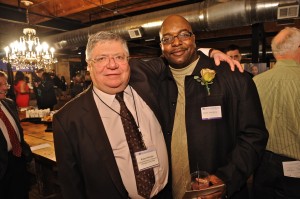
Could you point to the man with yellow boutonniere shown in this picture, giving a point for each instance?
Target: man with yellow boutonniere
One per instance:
(213, 116)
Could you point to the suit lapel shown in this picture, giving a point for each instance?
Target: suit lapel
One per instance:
(100, 140)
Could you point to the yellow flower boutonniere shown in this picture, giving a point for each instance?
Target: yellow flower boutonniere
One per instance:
(207, 76)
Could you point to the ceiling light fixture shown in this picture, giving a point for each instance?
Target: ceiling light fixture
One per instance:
(29, 53)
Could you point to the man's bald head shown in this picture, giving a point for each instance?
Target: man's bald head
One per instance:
(174, 19)
(178, 41)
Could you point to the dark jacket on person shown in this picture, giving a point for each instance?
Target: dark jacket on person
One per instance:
(230, 147)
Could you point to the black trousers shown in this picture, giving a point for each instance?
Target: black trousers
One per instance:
(15, 182)
(269, 181)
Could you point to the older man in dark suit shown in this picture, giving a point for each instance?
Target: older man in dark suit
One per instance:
(13, 175)
(94, 154)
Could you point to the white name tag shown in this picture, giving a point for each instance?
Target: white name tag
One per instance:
(146, 159)
(291, 169)
(211, 112)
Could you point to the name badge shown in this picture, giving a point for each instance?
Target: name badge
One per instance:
(291, 169)
(146, 159)
(211, 112)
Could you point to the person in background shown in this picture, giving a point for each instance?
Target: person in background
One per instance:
(22, 90)
(213, 124)
(48, 96)
(254, 70)
(233, 51)
(64, 86)
(14, 151)
(78, 85)
(27, 80)
(279, 92)
(57, 84)
(87, 79)
(37, 80)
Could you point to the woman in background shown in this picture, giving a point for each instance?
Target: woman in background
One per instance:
(21, 89)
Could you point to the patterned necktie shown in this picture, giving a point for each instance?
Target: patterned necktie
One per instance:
(145, 179)
(16, 146)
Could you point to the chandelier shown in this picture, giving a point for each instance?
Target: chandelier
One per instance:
(28, 53)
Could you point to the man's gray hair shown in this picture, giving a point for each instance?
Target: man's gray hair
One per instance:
(287, 40)
(103, 36)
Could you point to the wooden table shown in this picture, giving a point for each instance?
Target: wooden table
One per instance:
(45, 169)
(35, 136)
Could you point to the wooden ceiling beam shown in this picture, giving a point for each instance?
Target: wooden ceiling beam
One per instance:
(58, 8)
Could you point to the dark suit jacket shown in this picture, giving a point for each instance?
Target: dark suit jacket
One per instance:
(86, 163)
(11, 107)
(230, 147)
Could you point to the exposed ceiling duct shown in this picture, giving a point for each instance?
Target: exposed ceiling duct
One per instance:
(205, 16)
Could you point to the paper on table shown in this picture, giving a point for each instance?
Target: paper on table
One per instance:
(40, 146)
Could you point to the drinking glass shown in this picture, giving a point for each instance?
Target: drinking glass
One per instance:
(199, 180)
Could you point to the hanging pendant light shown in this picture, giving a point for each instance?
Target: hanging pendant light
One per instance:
(28, 53)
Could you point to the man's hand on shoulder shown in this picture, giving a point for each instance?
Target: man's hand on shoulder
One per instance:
(220, 56)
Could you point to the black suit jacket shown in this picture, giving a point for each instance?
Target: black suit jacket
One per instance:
(230, 147)
(12, 109)
(86, 163)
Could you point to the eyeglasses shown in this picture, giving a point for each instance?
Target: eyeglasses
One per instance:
(182, 36)
(104, 60)
(6, 84)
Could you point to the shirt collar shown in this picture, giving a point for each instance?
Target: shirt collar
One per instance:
(286, 62)
(108, 98)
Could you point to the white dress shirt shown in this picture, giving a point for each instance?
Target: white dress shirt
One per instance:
(150, 129)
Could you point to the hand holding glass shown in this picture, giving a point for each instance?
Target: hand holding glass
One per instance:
(199, 180)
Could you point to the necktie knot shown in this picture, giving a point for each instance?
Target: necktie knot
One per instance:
(119, 96)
